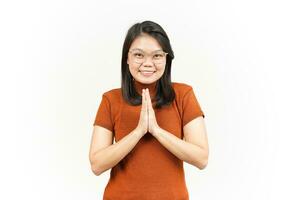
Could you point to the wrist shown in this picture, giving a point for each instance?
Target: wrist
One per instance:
(156, 131)
(138, 132)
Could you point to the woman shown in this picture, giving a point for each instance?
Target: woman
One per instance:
(157, 124)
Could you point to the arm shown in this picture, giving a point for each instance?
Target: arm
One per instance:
(108, 155)
(194, 149)
(104, 155)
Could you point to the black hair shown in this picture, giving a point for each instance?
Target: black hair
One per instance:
(165, 93)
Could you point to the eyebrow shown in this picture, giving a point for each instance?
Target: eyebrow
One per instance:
(144, 51)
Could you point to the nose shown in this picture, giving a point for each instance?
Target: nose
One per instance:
(148, 61)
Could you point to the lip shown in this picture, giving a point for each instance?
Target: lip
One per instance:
(147, 73)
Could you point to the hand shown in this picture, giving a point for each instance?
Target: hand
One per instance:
(142, 126)
(147, 121)
(152, 123)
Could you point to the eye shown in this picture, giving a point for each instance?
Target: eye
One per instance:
(138, 55)
(158, 55)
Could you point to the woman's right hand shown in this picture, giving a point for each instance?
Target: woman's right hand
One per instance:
(142, 126)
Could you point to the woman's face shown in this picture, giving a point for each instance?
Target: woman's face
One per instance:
(146, 59)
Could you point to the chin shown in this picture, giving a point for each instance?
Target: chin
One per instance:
(146, 81)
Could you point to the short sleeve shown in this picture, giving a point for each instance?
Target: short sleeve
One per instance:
(103, 116)
(190, 107)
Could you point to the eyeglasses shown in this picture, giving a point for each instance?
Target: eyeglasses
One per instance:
(139, 56)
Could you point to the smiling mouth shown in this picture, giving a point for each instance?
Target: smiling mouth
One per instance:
(147, 73)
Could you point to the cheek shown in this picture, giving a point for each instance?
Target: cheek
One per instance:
(161, 70)
(133, 69)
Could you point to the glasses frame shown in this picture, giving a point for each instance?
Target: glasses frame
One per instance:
(146, 54)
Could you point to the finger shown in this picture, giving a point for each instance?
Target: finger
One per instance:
(149, 102)
(144, 100)
(146, 95)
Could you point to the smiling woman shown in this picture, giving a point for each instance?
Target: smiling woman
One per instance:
(141, 68)
(152, 141)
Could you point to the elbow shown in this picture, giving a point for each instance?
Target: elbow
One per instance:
(202, 165)
(95, 168)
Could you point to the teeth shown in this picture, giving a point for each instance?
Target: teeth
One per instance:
(147, 73)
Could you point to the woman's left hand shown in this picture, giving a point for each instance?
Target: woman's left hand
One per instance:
(152, 123)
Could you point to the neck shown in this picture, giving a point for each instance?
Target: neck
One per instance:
(140, 86)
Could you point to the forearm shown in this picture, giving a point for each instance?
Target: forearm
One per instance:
(108, 157)
(183, 150)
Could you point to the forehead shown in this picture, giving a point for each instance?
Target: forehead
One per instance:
(146, 43)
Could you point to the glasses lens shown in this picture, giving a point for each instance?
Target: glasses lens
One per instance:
(140, 57)
(159, 58)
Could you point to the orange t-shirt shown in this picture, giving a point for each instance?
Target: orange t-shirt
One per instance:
(149, 171)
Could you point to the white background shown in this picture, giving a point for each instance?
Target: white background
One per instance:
(241, 57)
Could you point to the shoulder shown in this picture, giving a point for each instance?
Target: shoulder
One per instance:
(181, 88)
(112, 95)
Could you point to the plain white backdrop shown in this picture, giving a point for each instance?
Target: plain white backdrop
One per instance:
(241, 57)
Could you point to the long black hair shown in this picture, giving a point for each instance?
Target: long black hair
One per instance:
(164, 91)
